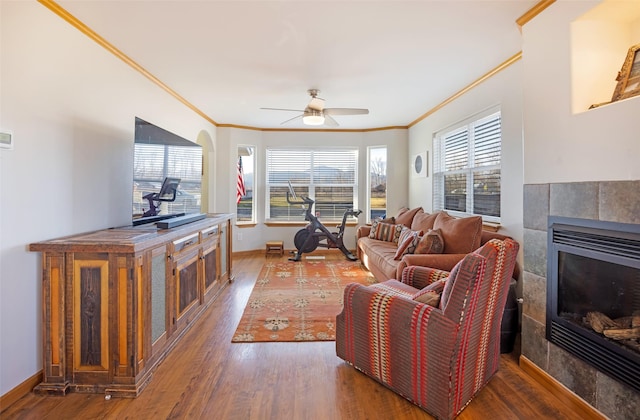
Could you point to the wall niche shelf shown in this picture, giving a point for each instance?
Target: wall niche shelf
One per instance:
(600, 41)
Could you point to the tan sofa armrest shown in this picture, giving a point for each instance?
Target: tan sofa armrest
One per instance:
(363, 231)
(444, 262)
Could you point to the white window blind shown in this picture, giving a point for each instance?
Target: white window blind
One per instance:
(329, 176)
(467, 162)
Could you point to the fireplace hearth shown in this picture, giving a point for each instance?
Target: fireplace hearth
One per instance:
(593, 294)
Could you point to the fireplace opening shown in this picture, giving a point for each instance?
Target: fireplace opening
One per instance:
(593, 294)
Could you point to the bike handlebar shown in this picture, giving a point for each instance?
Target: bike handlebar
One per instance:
(310, 202)
(305, 200)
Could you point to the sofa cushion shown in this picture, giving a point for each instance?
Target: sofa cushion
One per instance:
(423, 221)
(461, 235)
(385, 231)
(405, 216)
(431, 243)
(409, 240)
(378, 257)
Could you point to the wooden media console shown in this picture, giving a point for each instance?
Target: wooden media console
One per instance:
(116, 301)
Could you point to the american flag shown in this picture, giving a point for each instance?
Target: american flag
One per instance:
(240, 190)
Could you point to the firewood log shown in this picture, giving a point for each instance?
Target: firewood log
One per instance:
(622, 333)
(624, 322)
(600, 322)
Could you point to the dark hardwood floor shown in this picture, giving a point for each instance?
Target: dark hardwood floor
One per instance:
(207, 376)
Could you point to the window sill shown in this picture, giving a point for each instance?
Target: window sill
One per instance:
(490, 226)
(329, 223)
(246, 225)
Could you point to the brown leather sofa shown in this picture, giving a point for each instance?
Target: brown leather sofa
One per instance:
(461, 236)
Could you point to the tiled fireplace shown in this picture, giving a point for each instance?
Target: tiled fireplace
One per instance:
(565, 347)
(593, 293)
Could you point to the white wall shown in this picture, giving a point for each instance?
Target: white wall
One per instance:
(503, 90)
(250, 238)
(71, 106)
(601, 144)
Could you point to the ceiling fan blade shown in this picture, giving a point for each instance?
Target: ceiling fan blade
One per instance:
(283, 109)
(345, 111)
(329, 121)
(291, 119)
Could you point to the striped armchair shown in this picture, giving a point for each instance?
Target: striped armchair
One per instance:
(437, 357)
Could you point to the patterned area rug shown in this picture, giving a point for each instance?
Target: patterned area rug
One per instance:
(298, 301)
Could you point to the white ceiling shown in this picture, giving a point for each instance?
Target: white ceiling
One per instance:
(397, 58)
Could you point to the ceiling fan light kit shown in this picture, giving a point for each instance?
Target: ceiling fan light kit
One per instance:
(313, 117)
(316, 114)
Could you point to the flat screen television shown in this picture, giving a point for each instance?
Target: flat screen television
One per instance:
(165, 166)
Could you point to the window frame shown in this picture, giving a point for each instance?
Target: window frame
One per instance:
(470, 170)
(369, 180)
(295, 214)
(252, 150)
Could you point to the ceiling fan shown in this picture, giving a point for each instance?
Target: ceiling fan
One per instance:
(316, 114)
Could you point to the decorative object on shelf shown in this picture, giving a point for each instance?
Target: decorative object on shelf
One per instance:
(420, 165)
(629, 76)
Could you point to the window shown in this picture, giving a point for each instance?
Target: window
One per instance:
(245, 209)
(467, 167)
(329, 176)
(153, 162)
(377, 182)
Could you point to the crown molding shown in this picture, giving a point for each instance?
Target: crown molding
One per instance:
(464, 90)
(533, 12)
(76, 23)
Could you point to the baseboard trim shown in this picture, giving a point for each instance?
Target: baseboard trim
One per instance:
(20, 391)
(564, 394)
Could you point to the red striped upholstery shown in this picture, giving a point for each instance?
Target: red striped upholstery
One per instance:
(438, 359)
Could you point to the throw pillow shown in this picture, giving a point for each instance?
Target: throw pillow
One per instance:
(461, 236)
(431, 293)
(405, 216)
(385, 231)
(423, 221)
(431, 243)
(407, 243)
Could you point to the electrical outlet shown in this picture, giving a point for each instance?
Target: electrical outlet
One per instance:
(239, 236)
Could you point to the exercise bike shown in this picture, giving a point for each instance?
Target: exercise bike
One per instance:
(309, 238)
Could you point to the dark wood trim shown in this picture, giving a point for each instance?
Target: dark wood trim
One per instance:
(561, 392)
(20, 391)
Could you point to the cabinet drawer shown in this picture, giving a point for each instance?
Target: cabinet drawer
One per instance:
(183, 243)
(210, 232)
